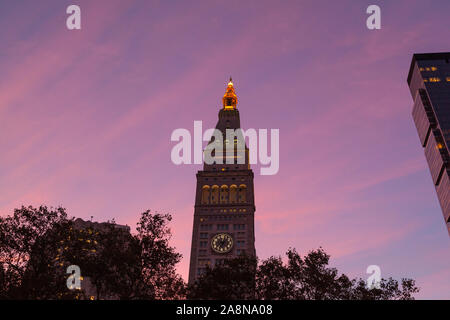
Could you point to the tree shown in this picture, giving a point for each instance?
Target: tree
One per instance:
(311, 279)
(308, 278)
(234, 279)
(301, 279)
(28, 240)
(37, 246)
(158, 258)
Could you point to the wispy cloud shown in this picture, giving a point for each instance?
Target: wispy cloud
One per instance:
(86, 117)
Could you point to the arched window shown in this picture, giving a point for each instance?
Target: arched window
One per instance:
(233, 193)
(215, 194)
(242, 193)
(205, 194)
(224, 194)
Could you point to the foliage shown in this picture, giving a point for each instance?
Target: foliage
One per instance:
(38, 244)
(308, 278)
(233, 279)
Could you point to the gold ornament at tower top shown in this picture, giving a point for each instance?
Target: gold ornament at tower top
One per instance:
(230, 97)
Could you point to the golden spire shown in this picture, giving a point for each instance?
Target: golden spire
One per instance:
(230, 97)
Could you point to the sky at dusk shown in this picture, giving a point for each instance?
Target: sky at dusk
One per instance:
(86, 118)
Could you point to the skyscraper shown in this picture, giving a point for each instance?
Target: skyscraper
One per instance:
(429, 82)
(224, 202)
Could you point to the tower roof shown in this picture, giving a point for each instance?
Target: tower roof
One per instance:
(230, 98)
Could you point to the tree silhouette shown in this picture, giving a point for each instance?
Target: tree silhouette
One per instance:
(233, 279)
(308, 278)
(28, 242)
(38, 244)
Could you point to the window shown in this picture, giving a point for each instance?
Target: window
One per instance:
(428, 69)
(242, 193)
(448, 79)
(233, 193)
(240, 243)
(204, 262)
(434, 79)
(203, 244)
(202, 252)
(215, 194)
(219, 262)
(205, 194)
(205, 227)
(203, 235)
(201, 271)
(239, 227)
(240, 251)
(222, 227)
(224, 194)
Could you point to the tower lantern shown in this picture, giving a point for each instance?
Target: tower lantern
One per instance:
(230, 97)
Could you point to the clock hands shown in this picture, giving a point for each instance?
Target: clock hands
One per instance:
(222, 243)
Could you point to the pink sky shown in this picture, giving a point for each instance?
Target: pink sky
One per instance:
(86, 118)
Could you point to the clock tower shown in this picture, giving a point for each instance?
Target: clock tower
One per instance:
(224, 201)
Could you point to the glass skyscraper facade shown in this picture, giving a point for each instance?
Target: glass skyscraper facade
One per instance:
(429, 83)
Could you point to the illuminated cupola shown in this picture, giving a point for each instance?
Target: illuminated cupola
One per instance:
(230, 97)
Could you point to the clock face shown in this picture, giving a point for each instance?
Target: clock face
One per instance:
(222, 243)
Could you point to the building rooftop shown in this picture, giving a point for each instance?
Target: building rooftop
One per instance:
(426, 56)
(82, 224)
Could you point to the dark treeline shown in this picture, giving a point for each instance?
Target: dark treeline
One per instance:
(38, 244)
